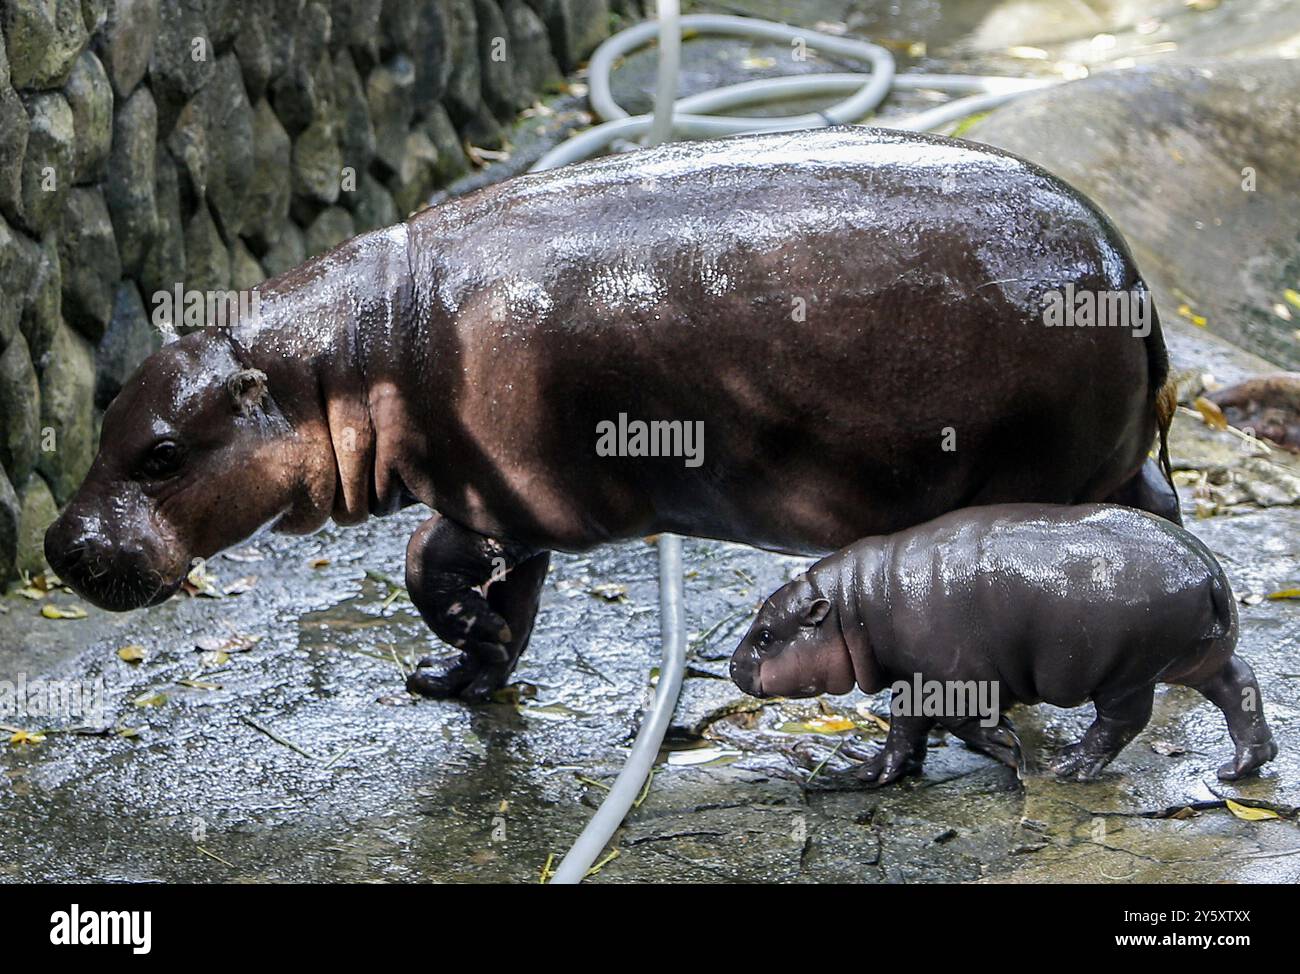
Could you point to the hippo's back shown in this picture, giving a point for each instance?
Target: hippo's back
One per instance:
(827, 304)
(1058, 600)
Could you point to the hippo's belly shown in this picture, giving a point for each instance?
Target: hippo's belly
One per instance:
(852, 320)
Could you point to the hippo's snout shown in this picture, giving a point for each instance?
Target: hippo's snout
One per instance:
(746, 670)
(113, 575)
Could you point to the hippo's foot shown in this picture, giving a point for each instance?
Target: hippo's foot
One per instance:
(887, 766)
(1078, 762)
(1248, 760)
(999, 742)
(469, 678)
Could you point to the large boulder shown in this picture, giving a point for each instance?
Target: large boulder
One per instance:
(43, 38)
(89, 261)
(1196, 164)
(20, 410)
(126, 43)
(129, 190)
(48, 163)
(90, 96)
(67, 409)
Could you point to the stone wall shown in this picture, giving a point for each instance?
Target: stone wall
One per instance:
(214, 143)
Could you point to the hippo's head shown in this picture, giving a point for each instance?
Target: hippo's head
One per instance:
(195, 455)
(794, 648)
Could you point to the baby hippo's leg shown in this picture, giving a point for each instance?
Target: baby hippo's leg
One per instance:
(1234, 691)
(999, 742)
(902, 754)
(1121, 715)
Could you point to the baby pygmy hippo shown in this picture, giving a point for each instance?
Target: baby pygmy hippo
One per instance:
(1022, 603)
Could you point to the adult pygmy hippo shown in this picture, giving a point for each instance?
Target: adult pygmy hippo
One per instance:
(1041, 603)
(854, 315)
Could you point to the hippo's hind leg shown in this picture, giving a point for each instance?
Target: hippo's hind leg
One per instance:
(1148, 490)
(447, 567)
(1121, 715)
(1234, 691)
(999, 742)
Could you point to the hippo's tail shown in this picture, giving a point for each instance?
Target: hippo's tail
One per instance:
(1164, 387)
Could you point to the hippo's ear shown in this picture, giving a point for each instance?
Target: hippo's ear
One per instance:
(247, 389)
(816, 612)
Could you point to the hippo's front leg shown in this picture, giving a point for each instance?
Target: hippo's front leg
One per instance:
(448, 567)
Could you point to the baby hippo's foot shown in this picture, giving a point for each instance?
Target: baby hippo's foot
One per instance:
(1248, 760)
(999, 742)
(887, 766)
(1078, 763)
(903, 752)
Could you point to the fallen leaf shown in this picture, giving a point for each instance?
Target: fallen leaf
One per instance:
(1211, 413)
(234, 643)
(200, 582)
(1253, 599)
(131, 654)
(836, 724)
(1248, 813)
(153, 698)
(1285, 593)
(128, 732)
(1186, 311)
(610, 591)
(1292, 295)
(32, 592)
(1167, 748)
(241, 585)
(63, 612)
(319, 563)
(26, 737)
(214, 658)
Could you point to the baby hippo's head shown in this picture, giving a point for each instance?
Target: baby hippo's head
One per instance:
(795, 647)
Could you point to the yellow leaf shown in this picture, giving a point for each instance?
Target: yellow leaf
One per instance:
(1248, 813)
(834, 724)
(151, 699)
(131, 654)
(1285, 593)
(128, 732)
(66, 612)
(1186, 311)
(26, 737)
(1292, 296)
(319, 562)
(1211, 413)
(33, 593)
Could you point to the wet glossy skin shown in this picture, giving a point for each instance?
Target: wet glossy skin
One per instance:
(1051, 603)
(827, 303)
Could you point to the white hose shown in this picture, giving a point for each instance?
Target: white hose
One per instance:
(695, 117)
(672, 628)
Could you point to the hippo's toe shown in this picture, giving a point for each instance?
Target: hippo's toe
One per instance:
(1248, 760)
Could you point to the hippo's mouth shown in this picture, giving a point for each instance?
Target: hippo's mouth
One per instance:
(747, 672)
(120, 591)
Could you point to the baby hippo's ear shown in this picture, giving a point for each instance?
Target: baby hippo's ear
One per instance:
(816, 612)
(247, 389)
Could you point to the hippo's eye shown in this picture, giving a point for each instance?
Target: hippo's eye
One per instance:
(163, 459)
(764, 637)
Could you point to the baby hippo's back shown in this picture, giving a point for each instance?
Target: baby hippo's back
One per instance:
(1054, 602)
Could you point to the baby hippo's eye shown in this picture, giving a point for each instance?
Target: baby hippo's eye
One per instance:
(764, 638)
(163, 460)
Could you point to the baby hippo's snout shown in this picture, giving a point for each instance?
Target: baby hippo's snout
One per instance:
(792, 649)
